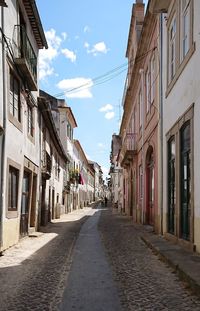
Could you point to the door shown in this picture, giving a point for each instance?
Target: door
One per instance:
(25, 204)
(131, 186)
(150, 188)
(49, 205)
(185, 182)
(171, 185)
(33, 202)
(43, 204)
(53, 204)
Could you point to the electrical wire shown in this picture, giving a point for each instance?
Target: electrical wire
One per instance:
(111, 74)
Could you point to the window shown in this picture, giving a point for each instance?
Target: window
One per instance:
(172, 49)
(185, 27)
(14, 97)
(30, 127)
(140, 108)
(147, 90)
(180, 39)
(152, 78)
(13, 182)
(140, 182)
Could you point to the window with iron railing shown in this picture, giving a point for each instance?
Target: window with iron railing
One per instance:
(22, 48)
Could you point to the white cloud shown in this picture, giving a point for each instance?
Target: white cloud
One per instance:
(109, 115)
(77, 87)
(106, 108)
(86, 45)
(76, 37)
(86, 29)
(100, 145)
(69, 54)
(97, 48)
(46, 56)
(64, 35)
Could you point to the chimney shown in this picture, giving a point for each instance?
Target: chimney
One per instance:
(138, 12)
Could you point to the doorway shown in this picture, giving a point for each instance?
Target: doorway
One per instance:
(25, 202)
(150, 187)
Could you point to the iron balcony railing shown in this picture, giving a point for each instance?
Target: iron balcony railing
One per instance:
(24, 53)
(129, 148)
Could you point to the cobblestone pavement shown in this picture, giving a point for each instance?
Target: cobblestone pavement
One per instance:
(145, 282)
(33, 273)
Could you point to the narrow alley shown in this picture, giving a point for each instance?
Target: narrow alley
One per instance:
(67, 267)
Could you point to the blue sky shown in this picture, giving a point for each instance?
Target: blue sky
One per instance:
(87, 45)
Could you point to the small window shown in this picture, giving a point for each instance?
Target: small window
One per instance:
(153, 78)
(172, 49)
(140, 108)
(30, 126)
(13, 183)
(147, 91)
(15, 97)
(185, 27)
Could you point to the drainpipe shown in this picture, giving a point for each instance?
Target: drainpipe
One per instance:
(3, 133)
(161, 122)
(143, 160)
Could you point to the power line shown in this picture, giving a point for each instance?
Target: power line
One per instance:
(98, 80)
(111, 74)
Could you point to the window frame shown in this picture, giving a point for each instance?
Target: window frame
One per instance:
(187, 117)
(12, 80)
(185, 33)
(172, 42)
(13, 212)
(30, 123)
(180, 62)
(153, 77)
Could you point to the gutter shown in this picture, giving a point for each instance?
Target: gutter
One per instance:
(141, 71)
(161, 123)
(3, 131)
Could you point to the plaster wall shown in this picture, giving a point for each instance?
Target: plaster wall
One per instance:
(184, 93)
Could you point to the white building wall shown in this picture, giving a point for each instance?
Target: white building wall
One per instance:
(185, 92)
(17, 146)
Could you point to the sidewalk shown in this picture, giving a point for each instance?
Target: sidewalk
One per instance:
(184, 262)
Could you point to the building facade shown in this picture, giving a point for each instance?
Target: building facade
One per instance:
(139, 131)
(21, 38)
(181, 104)
(53, 164)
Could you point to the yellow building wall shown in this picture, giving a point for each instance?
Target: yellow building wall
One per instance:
(197, 233)
(10, 232)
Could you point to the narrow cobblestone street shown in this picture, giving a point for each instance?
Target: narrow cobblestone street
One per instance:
(32, 273)
(145, 282)
(35, 273)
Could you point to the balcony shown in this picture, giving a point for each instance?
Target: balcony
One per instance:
(127, 92)
(128, 150)
(66, 182)
(25, 57)
(159, 6)
(46, 165)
